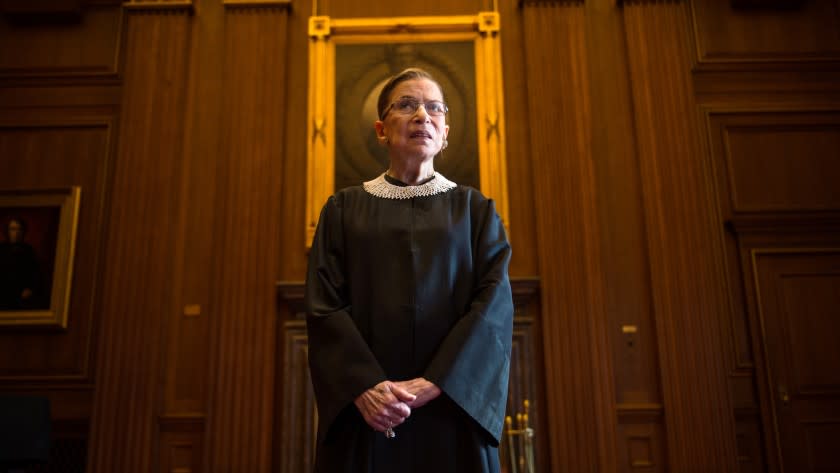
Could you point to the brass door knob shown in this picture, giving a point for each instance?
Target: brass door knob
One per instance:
(783, 395)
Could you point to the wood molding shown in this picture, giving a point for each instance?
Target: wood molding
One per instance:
(724, 36)
(545, 3)
(641, 2)
(786, 84)
(63, 11)
(181, 443)
(187, 6)
(631, 413)
(296, 419)
(786, 224)
(292, 294)
(231, 4)
(183, 422)
(95, 62)
(767, 4)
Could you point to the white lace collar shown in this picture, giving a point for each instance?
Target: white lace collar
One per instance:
(380, 187)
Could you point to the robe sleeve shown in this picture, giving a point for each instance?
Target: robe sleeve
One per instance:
(472, 364)
(340, 362)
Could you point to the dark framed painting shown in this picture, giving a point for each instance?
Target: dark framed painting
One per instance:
(37, 243)
(349, 62)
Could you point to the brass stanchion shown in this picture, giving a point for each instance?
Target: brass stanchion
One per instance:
(520, 441)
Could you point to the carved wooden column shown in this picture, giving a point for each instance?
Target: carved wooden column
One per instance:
(252, 147)
(579, 381)
(138, 293)
(683, 237)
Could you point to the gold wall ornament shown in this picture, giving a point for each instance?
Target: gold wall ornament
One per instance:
(400, 34)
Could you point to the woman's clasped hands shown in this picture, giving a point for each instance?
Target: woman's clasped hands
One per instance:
(389, 403)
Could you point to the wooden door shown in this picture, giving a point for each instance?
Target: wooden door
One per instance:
(798, 296)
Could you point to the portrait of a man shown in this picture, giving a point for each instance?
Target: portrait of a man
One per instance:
(27, 252)
(37, 241)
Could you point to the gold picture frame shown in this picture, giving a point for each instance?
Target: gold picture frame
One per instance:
(37, 246)
(483, 86)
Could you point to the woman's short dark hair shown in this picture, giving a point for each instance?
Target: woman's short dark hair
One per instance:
(408, 74)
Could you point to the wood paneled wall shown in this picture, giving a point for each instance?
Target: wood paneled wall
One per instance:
(639, 135)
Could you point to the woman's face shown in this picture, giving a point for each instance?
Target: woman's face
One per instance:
(414, 134)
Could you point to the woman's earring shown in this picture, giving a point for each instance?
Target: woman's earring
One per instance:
(445, 144)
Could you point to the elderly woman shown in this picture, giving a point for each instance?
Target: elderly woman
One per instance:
(409, 307)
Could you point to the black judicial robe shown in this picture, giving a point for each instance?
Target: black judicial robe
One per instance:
(399, 289)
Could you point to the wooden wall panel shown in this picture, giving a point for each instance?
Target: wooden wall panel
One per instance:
(618, 186)
(684, 241)
(188, 352)
(641, 444)
(797, 293)
(526, 377)
(777, 160)
(767, 79)
(579, 384)
(741, 367)
(181, 445)
(724, 34)
(297, 429)
(773, 165)
(790, 275)
(239, 433)
(627, 285)
(137, 289)
(44, 50)
(63, 148)
(52, 152)
(61, 136)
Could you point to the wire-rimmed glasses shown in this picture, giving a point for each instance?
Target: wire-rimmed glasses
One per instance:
(409, 105)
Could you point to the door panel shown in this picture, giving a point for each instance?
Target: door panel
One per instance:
(798, 294)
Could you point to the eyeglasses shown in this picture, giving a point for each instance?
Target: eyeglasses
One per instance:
(408, 106)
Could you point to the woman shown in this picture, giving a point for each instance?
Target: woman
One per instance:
(409, 307)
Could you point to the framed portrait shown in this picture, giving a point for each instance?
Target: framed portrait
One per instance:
(37, 244)
(350, 60)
